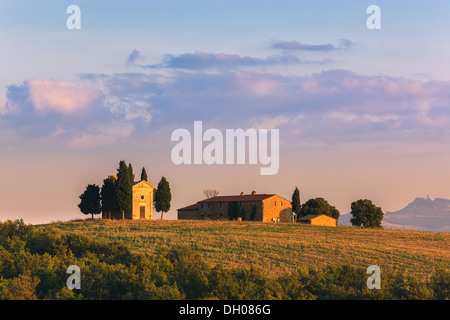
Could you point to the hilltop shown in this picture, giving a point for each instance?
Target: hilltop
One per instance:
(421, 214)
(277, 247)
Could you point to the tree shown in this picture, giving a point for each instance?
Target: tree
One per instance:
(242, 214)
(366, 214)
(123, 189)
(233, 210)
(296, 205)
(144, 174)
(109, 196)
(90, 200)
(131, 173)
(210, 193)
(253, 214)
(319, 206)
(163, 197)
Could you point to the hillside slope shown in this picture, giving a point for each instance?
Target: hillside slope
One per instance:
(278, 248)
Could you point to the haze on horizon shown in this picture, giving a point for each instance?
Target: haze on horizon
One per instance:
(362, 113)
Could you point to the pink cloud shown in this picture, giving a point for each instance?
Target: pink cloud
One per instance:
(314, 87)
(106, 137)
(91, 141)
(428, 122)
(257, 85)
(3, 107)
(61, 96)
(335, 82)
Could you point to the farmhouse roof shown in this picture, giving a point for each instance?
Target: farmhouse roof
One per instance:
(191, 207)
(239, 198)
(313, 216)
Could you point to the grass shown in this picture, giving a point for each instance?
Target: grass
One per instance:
(279, 248)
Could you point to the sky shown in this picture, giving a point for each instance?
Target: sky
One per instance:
(362, 113)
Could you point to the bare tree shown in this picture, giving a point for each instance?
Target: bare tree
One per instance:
(209, 193)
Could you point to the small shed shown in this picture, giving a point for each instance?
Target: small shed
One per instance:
(318, 220)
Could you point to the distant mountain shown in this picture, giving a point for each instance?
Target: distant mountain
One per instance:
(421, 214)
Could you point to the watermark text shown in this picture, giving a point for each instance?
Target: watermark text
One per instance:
(230, 148)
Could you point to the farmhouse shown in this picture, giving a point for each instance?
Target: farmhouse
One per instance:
(318, 220)
(257, 207)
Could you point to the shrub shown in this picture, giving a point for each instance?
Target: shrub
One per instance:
(18, 288)
(440, 284)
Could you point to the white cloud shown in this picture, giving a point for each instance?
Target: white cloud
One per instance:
(131, 108)
(266, 122)
(349, 117)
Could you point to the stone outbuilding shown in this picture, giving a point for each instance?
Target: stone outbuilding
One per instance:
(318, 220)
(257, 207)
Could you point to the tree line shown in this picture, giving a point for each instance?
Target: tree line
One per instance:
(115, 195)
(364, 213)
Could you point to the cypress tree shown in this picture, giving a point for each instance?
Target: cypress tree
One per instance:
(296, 205)
(131, 173)
(123, 189)
(144, 174)
(109, 197)
(163, 197)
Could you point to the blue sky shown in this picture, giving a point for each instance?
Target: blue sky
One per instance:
(111, 29)
(362, 113)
